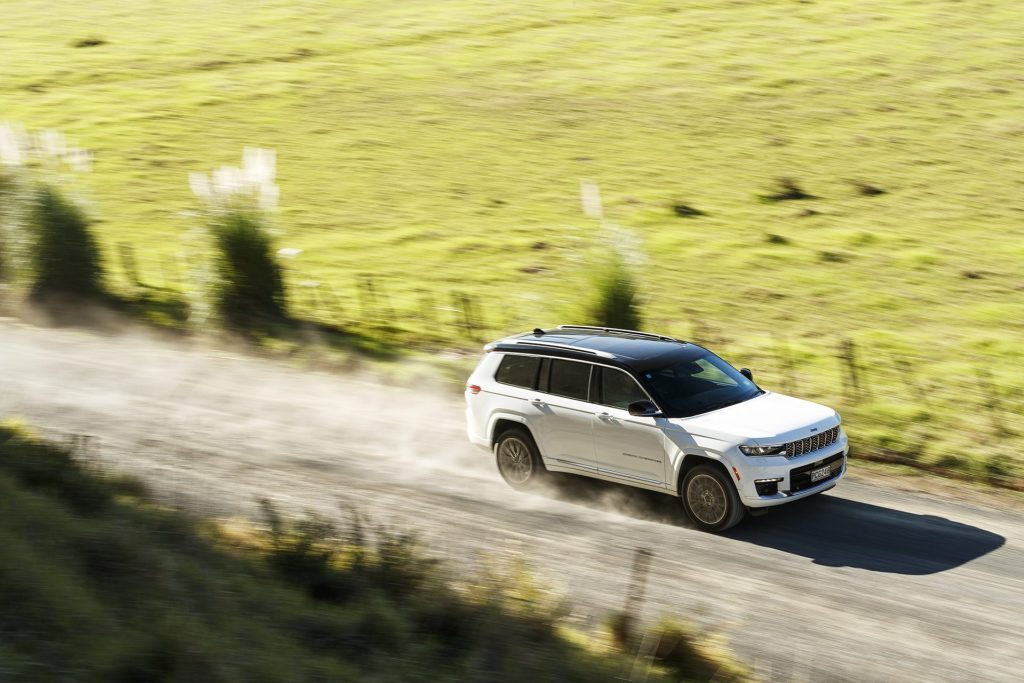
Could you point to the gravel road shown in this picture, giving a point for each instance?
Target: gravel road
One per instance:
(867, 583)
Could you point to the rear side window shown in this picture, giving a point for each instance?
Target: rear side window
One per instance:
(619, 389)
(569, 379)
(519, 371)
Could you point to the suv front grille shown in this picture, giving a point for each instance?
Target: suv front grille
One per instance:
(812, 443)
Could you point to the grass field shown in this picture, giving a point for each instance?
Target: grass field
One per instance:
(438, 147)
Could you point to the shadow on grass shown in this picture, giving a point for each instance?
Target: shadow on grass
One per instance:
(379, 343)
(163, 309)
(168, 311)
(828, 529)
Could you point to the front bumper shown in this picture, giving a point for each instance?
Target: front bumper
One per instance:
(794, 482)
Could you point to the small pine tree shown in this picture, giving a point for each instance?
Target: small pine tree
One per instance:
(249, 281)
(64, 256)
(615, 296)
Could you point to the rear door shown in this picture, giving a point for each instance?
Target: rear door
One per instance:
(563, 415)
(626, 446)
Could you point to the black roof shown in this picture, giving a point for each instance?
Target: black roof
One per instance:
(638, 351)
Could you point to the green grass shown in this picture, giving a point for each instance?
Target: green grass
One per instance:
(98, 583)
(438, 147)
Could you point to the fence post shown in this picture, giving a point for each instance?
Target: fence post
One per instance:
(367, 296)
(313, 298)
(907, 375)
(478, 316)
(128, 264)
(851, 380)
(469, 315)
(333, 301)
(788, 367)
(990, 400)
(169, 266)
(462, 307)
(427, 306)
(635, 592)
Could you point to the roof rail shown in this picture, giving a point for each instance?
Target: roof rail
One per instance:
(564, 347)
(651, 335)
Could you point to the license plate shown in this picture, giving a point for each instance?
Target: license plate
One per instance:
(821, 473)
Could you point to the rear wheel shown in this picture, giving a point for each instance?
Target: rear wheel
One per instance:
(710, 499)
(518, 459)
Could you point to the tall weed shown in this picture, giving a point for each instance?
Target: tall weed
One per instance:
(614, 295)
(65, 259)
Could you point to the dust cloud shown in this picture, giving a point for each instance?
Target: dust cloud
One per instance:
(203, 423)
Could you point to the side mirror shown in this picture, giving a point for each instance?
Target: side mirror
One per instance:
(747, 373)
(643, 409)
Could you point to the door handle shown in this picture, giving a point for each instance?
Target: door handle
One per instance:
(604, 416)
(537, 401)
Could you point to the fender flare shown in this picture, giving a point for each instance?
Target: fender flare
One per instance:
(496, 416)
(693, 457)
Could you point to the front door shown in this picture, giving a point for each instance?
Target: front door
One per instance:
(632, 448)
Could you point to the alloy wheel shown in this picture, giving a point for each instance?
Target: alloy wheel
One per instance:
(707, 499)
(515, 461)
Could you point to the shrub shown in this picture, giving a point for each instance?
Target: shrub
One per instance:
(680, 649)
(684, 210)
(91, 41)
(615, 296)
(40, 229)
(867, 189)
(785, 189)
(676, 647)
(999, 468)
(64, 256)
(249, 282)
(9, 210)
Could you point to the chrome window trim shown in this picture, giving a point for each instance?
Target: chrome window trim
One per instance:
(592, 365)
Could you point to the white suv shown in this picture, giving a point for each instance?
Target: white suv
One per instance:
(653, 412)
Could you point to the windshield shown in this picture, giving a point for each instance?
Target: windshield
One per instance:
(692, 387)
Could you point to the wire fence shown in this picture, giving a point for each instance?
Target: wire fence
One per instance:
(459, 316)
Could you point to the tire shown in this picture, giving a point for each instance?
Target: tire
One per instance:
(710, 499)
(518, 460)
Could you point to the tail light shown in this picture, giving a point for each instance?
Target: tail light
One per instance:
(473, 388)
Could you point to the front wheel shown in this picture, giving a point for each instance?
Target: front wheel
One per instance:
(710, 499)
(518, 459)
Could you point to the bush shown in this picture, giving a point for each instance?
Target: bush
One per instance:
(680, 649)
(9, 205)
(249, 281)
(615, 298)
(4, 257)
(64, 256)
(785, 189)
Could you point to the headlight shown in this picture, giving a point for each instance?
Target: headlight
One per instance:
(764, 450)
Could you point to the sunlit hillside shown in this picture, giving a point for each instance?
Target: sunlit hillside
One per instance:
(439, 148)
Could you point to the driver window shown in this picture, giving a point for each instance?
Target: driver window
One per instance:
(619, 389)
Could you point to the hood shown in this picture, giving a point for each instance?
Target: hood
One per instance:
(768, 418)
